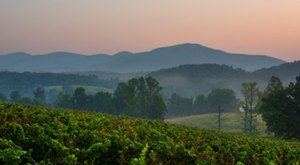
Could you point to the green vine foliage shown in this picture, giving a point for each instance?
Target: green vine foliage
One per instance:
(37, 135)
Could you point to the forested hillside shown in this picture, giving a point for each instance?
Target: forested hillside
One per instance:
(285, 72)
(192, 80)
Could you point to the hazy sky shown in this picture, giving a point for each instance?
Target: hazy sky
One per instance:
(108, 26)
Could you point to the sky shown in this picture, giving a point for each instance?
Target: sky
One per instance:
(269, 27)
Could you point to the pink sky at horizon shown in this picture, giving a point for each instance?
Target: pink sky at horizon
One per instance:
(109, 26)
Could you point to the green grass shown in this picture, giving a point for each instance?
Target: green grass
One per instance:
(230, 122)
(89, 89)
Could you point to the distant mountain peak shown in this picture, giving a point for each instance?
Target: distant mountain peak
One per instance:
(62, 53)
(124, 61)
(183, 45)
(123, 53)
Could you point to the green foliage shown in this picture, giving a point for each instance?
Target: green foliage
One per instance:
(37, 135)
(280, 108)
(10, 153)
(222, 98)
(142, 159)
(139, 97)
(179, 106)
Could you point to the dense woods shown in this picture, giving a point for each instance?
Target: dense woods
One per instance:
(280, 108)
(223, 100)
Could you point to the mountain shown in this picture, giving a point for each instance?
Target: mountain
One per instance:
(53, 62)
(191, 80)
(123, 62)
(173, 56)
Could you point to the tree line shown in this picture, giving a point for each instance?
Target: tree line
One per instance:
(278, 105)
(139, 97)
(26, 82)
(217, 100)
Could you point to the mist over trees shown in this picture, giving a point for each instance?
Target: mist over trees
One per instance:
(223, 100)
(141, 97)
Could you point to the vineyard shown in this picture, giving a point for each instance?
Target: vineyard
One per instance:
(35, 135)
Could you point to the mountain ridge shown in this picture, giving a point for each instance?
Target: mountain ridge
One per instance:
(124, 61)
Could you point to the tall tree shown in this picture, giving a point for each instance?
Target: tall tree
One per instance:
(79, 99)
(100, 102)
(139, 97)
(220, 100)
(179, 106)
(280, 108)
(200, 105)
(250, 92)
(39, 96)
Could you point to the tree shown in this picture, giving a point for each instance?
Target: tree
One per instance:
(39, 96)
(79, 99)
(179, 106)
(280, 108)
(63, 100)
(100, 102)
(222, 100)
(250, 92)
(200, 105)
(139, 97)
(124, 101)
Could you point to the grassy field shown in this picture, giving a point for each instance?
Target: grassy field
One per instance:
(89, 89)
(230, 122)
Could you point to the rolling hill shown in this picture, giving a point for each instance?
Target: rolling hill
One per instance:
(192, 80)
(286, 72)
(38, 135)
(165, 57)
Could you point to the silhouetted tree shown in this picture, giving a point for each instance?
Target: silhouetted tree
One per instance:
(39, 96)
(139, 97)
(221, 100)
(179, 106)
(79, 99)
(280, 108)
